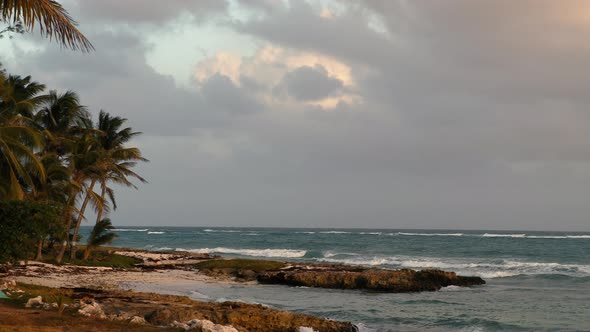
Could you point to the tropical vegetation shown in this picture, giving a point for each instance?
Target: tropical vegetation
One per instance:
(52, 154)
(50, 17)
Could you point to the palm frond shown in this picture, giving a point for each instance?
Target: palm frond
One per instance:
(51, 18)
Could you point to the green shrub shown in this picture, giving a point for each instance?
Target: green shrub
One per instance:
(22, 225)
(255, 265)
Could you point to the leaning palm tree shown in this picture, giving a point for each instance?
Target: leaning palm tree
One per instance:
(118, 159)
(83, 162)
(51, 18)
(99, 236)
(114, 165)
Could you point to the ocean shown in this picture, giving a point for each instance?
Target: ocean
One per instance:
(536, 281)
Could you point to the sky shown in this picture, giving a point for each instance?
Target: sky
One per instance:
(451, 114)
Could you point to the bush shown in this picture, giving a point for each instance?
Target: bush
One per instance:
(22, 225)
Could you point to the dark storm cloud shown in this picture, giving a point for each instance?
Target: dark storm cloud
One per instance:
(307, 83)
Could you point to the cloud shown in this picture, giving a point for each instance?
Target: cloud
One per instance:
(397, 113)
(117, 78)
(219, 91)
(307, 83)
(142, 11)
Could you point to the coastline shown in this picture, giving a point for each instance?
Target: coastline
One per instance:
(154, 278)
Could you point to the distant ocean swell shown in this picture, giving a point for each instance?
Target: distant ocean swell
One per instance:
(348, 233)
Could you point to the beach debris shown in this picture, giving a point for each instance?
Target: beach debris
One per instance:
(8, 285)
(209, 326)
(91, 308)
(180, 325)
(203, 325)
(306, 329)
(34, 301)
(121, 316)
(137, 320)
(152, 259)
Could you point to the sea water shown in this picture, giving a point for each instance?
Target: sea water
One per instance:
(536, 281)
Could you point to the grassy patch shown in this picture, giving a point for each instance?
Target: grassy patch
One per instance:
(100, 258)
(49, 295)
(240, 264)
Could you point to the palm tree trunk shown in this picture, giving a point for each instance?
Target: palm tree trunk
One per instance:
(39, 250)
(67, 215)
(103, 193)
(87, 253)
(79, 221)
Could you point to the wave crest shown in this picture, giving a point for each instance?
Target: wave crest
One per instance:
(287, 253)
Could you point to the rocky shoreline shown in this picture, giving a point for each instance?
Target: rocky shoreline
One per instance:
(96, 291)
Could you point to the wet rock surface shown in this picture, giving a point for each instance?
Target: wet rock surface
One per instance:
(342, 277)
(180, 311)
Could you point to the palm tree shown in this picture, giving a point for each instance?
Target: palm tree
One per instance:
(52, 19)
(62, 119)
(83, 162)
(99, 236)
(18, 138)
(114, 165)
(119, 160)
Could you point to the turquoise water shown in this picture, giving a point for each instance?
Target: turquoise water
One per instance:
(536, 281)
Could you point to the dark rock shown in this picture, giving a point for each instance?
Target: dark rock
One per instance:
(159, 317)
(395, 281)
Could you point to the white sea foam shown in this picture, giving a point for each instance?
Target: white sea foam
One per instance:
(546, 237)
(128, 230)
(288, 253)
(485, 268)
(198, 295)
(305, 232)
(370, 233)
(525, 236)
(156, 232)
(330, 253)
(429, 234)
(504, 235)
(335, 232)
(359, 261)
(362, 328)
(221, 231)
(452, 288)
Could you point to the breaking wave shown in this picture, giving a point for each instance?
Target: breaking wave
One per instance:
(428, 234)
(484, 268)
(287, 253)
(503, 235)
(208, 230)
